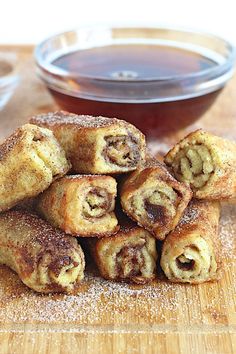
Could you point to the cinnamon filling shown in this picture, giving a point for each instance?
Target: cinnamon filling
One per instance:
(38, 136)
(160, 205)
(97, 203)
(194, 165)
(121, 150)
(184, 263)
(129, 261)
(155, 212)
(59, 263)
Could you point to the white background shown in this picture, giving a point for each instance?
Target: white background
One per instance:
(30, 21)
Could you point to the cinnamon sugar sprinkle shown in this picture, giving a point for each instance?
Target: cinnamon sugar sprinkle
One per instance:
(81, 121)
(190, 216)
(7, 146)
(102, 302)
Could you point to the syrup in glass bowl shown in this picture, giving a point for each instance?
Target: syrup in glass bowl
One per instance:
(160, 80)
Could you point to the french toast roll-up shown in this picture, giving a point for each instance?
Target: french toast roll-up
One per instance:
(81, 205)
(96, 145)
(130, 255)
(190, 252)
(30, 159)
(207, 163)
(153, 198)
(45, 259)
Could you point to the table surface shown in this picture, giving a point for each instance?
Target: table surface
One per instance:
(105, 318)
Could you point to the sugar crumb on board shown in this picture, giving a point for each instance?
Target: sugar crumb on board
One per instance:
(227, 232)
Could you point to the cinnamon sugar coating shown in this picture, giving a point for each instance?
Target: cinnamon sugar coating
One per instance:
(46, 259)
(130, 255)
(96, 145)
(30, 159)
(190, 253)
(81, 205)
(154, 198)
(207, 163)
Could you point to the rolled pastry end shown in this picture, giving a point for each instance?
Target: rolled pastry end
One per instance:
(207, 163)
(98, 202)
(60, 273)
(81, 205)
(30, 159)
(190, 261)
(154, 199)
(189, 253)
(122, 150)
(45, 146)
(130, 255)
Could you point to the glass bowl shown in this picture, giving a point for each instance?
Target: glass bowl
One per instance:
(159, 79)
(8, 77)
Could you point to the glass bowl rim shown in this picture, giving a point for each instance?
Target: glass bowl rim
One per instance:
(227, 65)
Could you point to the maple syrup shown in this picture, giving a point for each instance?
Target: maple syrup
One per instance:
(123, 81)
(133, 62)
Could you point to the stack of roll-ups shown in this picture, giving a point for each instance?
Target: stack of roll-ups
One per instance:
(64, 168)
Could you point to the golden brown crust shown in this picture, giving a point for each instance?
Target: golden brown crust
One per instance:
(96, 144)
(46, 259)
(154, 199)
(206, 162)
(190, 253)
(129, 256)
(81, 205)
(30, 159)
(9, 143)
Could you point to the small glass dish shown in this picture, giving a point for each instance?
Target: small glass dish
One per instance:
(159, 79)
(8, 77)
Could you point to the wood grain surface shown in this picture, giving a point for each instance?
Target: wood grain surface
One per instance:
(164, 318)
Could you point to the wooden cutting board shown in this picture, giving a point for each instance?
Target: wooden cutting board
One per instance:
(107, 317)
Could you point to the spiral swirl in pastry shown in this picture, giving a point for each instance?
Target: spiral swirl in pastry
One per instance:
(81, 205)
(190, 252)
(194, 165)
(130, 255)
(154, 199)
(207, 163)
